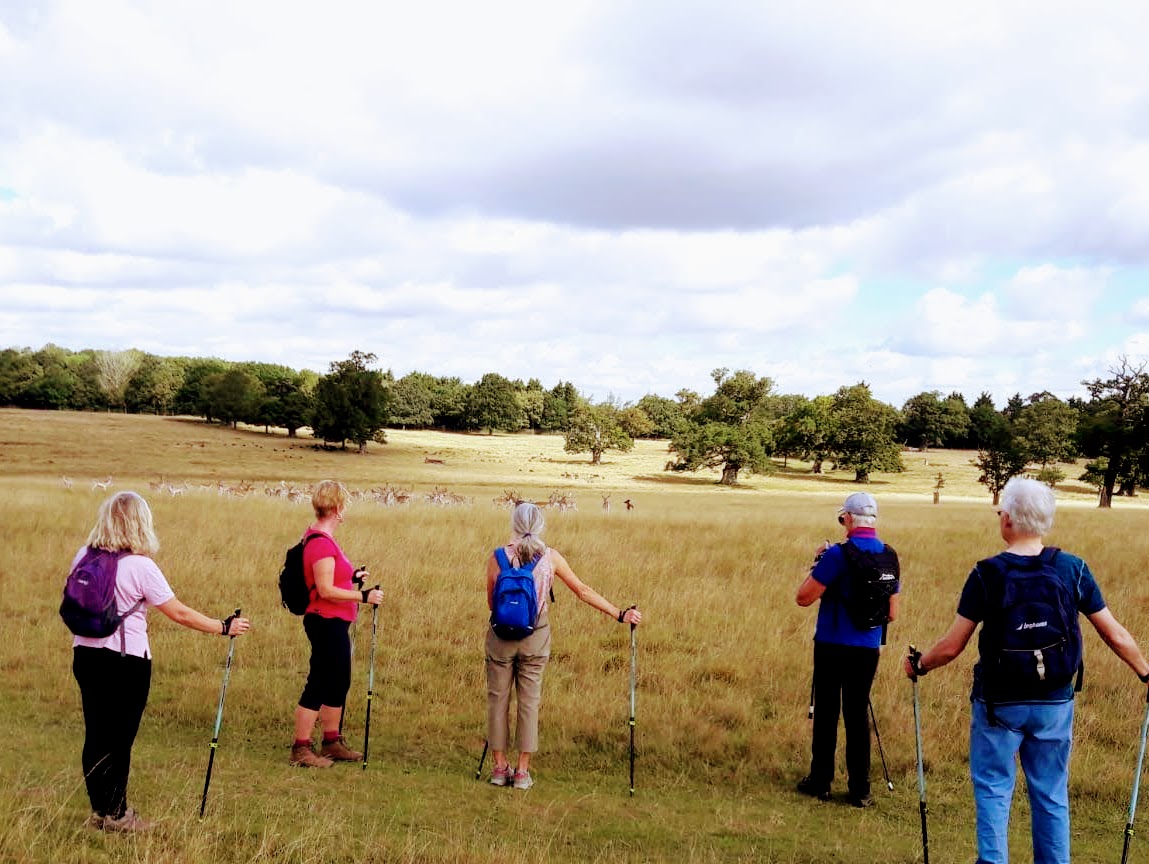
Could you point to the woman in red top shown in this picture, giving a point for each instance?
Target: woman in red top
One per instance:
(333, 581)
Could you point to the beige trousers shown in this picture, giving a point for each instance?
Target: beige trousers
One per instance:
(521, 664)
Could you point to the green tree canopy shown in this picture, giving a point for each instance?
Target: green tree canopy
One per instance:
(1045, 429)
(350, 402)
(999, 456)
(1114, 424)
(594, 429)
(729, 429)
(864, 432)
(492, 404)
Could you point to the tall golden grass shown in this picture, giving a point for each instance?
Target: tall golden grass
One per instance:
(724, 658)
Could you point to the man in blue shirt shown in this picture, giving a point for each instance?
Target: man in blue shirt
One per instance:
(1026, 720)
(845, 657)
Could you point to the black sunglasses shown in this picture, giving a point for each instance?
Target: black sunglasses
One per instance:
(841, 518)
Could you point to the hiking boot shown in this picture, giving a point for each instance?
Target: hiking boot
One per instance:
(523, 780)
(861, 801)
(501, 776)
(129, 823)
(303, 756)
(338, 751)
(807, 787)
(95, 822)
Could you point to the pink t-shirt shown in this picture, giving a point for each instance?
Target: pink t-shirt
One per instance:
(324, 546)
(137, 578)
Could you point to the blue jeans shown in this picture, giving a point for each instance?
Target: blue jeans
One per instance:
(1041, 734)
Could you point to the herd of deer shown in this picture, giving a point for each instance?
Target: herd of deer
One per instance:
(387, 496)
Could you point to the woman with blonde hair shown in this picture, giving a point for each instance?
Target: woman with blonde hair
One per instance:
(114, 672)
(336, 592)
(521, 662)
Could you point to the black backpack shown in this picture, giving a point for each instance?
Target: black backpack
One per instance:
(870, 580)
(293, 590)
(1030, 642)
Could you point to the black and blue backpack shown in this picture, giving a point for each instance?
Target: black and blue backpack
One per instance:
(514, 606)
(865, 588)
(1030, 640)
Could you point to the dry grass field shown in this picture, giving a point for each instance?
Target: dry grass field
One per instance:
(724, 655)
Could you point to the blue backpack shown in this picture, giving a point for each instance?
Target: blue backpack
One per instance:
(89, 604)
(514, 608)
(1030, 642)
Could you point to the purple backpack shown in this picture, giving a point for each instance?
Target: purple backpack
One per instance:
(89, 604)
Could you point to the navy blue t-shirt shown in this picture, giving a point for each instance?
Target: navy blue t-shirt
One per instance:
(834, 625)
(1077, 577)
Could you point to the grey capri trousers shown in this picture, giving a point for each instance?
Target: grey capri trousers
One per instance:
(519, 664)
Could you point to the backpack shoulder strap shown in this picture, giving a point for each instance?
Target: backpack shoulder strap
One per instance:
(501, 558)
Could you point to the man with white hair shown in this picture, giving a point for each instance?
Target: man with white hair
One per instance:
(847, 646)
(1027, 600)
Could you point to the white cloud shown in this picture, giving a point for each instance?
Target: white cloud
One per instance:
(648, 190)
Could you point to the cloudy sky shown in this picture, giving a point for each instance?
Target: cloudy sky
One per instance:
(625, 195)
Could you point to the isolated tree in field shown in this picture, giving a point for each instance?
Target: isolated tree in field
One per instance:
(1115, 423)
(116, 369)
(492, 405)
(350, 402)
(594, 429)
(929, 421)
(999, 457)
(1045, 430)
(729, 429)
(864, 431)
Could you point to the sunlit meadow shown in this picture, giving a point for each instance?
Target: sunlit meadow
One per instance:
(723, 655)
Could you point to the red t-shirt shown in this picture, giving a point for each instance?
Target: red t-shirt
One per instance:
(324, 546)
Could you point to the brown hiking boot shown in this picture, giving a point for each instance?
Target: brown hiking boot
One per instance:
(338, 751)
(303, 756)
(129, 823)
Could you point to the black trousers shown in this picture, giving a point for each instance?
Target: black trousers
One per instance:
(113, 690)
(843, 675)
(329, 673)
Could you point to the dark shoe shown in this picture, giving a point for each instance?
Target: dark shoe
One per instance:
(338, 751)
(861, 801)
(303, 756)
(807, 787)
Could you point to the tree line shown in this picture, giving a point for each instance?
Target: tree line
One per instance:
(743, 425)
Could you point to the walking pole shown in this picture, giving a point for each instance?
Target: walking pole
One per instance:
(881, 752)
(479, 770)
(219, 710)
(370, 681)
(633, 668)
(915, 657)
(1136, 783)
(810, 713)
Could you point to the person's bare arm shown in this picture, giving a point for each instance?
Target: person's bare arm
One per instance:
(185, 616)
(587, 594)
(946, 648)
(1122, 644)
